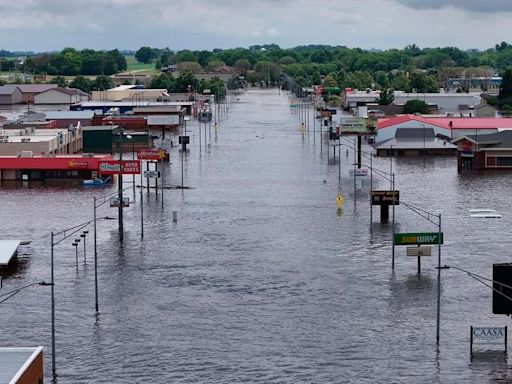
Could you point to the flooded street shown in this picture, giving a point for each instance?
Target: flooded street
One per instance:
(260, 280)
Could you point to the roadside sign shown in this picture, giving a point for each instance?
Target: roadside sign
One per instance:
(151, 154)
(419, 251)
(152, 174)
(488, 336)
(114, 167)
(417, 238)
(360, 172)
(339, 201)
(385, 197)
(184, 139)
(114, 202)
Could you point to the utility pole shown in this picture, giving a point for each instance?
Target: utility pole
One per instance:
(120, 185)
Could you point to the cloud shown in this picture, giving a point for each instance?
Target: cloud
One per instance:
(206, 24)
(468, 5)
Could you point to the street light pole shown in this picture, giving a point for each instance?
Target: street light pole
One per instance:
(391, 162)
(438, 282)
(83, 235)
(53, 306)
(96, 258)
(120, 185)
(393, 224)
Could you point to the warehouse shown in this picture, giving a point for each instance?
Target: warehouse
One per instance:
(61, 95)
(10, 94)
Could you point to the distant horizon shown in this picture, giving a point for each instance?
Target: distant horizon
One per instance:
(245, 47)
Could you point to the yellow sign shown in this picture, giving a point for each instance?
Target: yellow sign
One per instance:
(339, 201)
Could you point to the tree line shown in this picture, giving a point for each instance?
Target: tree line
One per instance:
(70, 62)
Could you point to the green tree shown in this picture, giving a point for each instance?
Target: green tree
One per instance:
(145, 55)
(186, 79)
(190, 66)
(83, 83)
(163, 81)
(416, 106)
(102, 83)
(506, 85)
(242, 66)
(59, 80)
(386, 97)
(423, 83)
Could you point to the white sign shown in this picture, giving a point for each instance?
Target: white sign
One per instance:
(489, 335)
(152, 174)
(419, 251)
(360, 172)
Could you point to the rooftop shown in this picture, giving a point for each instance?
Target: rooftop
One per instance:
(14, 361)
(69, 115)
(35, 88)
(450, 122)
(8, 89)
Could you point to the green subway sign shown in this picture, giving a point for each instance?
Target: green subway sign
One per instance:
(417, 238)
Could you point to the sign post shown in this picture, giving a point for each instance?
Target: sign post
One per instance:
(427, 238)
(384, 199)
(488, 336)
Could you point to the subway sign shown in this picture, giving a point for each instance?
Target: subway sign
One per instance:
(430, 238)
(114, 167)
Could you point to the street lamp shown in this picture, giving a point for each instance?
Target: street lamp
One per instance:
(120, 184)
(130, 137)
(83, 235)
(63, 234)
(75, 244)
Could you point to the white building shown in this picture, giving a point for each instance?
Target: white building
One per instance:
(37, 142)
(443, 102)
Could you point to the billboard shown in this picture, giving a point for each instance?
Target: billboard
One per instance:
(115, 167)
(358, 126)
(385, 197)
(151, 154)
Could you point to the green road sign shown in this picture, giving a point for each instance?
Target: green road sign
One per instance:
(417, 238)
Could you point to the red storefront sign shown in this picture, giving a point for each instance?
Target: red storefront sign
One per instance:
(151, 154)
(114, 167)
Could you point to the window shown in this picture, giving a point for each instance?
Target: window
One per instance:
(504, 161)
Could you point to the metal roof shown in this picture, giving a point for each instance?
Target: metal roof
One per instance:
(498, 140)
(35, 88)
(8, 249)
(449, 122)
(15, 361)
(7, 89)
(69, 115)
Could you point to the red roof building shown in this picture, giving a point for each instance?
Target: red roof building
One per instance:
(51, 167)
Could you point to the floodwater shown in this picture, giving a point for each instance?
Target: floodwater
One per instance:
(260, 280)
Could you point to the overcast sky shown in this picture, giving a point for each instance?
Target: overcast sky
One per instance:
(42, 25)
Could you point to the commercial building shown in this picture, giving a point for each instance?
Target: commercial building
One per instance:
(30, 91)
(64, 119)
(442, 103)
(21, 365)
(61, 95)
(485, 152)
(50, 167)
(29, 142)
(10, 94)
(104, 107)
(133, 93)
(435, 131)
(106, 139)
